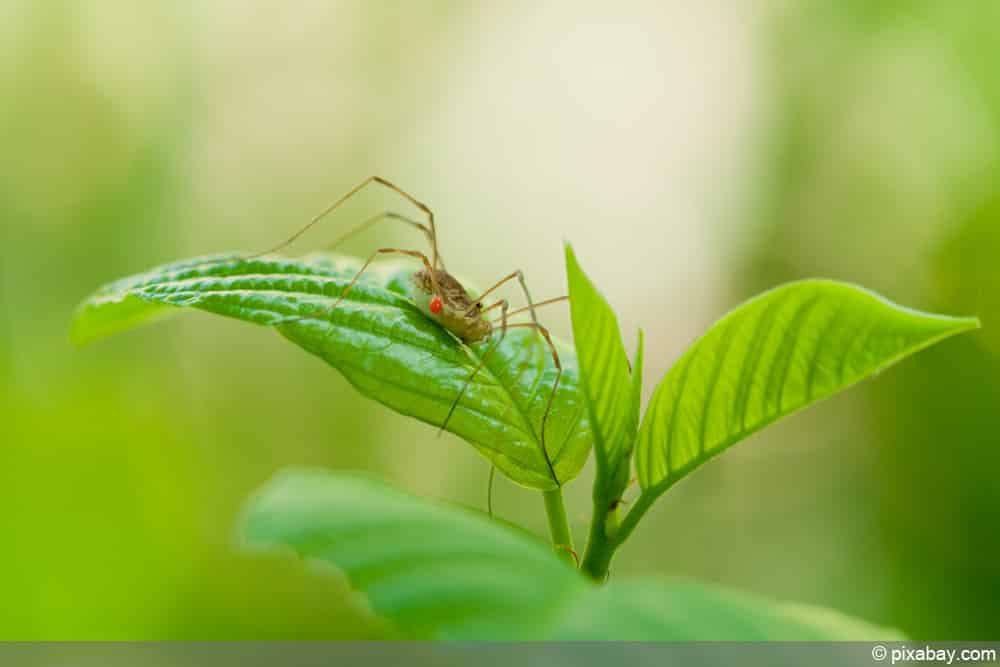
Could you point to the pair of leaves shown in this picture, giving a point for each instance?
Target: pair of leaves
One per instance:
(768, 358)
(441, 572)
(382, 344)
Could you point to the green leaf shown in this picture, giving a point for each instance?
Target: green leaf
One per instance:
(773, 355)
(438, 571)
(654, 609)
(605, 374)
(382, 344)
(433, 570)
(635, 395)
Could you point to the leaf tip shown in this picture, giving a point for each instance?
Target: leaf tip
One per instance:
(570, 255)
(952, 325)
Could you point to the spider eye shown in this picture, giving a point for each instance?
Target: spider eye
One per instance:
(436, 305)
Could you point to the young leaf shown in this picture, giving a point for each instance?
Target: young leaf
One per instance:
(771, 356)
(382, 344)
(654, 609)
(434, 571)
(604, 372)
(438, 571)
(635, 394)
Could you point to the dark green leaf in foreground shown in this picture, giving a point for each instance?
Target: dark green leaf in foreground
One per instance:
(657, 609)
(439, 571)
(433, 570)
(768, 358)
(381, 343)
(605, 376)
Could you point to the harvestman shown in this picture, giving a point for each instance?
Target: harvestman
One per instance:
(441, 297)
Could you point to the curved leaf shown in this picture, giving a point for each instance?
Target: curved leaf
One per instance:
(771, 356)
(604, 371)
(653, 609)
(635, 394)
(433, 570)
(443, 572)
(382, 344)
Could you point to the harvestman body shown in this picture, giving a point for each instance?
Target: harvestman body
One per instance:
(441, 297)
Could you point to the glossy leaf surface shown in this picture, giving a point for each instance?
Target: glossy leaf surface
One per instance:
(382, 344)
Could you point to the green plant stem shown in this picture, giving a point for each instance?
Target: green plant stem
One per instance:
(600, 546)
(603, 524)
(562, 539)
(606, 534)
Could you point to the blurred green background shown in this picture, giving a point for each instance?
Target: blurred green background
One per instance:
(694, 153)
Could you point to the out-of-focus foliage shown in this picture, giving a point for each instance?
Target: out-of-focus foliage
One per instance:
(655, 609)
(442, 572)
(435, 571)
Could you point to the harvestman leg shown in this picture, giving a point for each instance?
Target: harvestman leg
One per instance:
(429, 230)
(555, 386)
(533, 306)
(524, 288)
(489, 491)
(504, 327)
(545, 333)
(503, 305)
(379, 217)
(548, 407)
(534, 320)
(381, 251)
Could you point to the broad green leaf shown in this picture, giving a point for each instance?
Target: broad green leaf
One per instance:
(433, 570)
(773, 355)
(604, 372)
(382, 344)
(438, 571)
(635, 396)
(654, 609)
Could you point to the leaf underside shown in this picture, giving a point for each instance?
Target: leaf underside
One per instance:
(382, 344)
(770, 357)
(437, 571)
